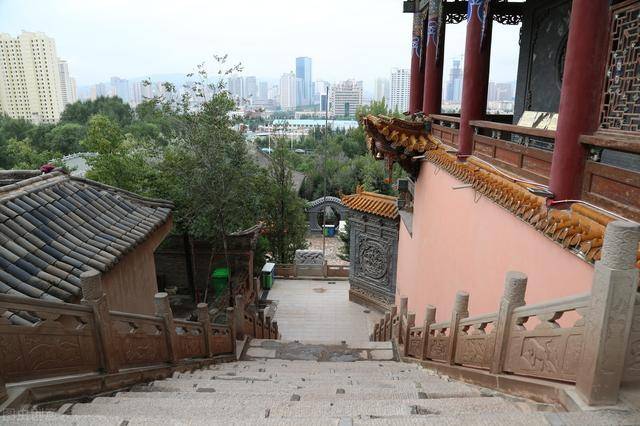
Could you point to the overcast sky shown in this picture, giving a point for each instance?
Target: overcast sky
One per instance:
(360, 39)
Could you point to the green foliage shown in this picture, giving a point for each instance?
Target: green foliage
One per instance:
(345, 237)
(283, 208)
(113, 107)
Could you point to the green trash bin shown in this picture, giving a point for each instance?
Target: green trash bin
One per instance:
(268, 275)
(220, 280)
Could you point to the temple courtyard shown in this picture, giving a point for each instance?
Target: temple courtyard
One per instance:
(320, 311)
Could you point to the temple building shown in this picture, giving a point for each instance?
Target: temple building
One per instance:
(531, 192)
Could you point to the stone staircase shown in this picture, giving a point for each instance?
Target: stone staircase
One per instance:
(290, 391)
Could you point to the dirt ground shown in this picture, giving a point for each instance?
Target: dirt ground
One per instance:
(333, 245)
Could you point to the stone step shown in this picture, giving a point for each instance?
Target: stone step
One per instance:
(329, 393)
(387, 366)
(172, 385)
(593, 418)
(186, 408)
(290, 375)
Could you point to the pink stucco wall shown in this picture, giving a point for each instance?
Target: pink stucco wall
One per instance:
(459, 243)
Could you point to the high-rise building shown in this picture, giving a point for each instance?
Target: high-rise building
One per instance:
(382, 90)
(235, 87)
(66, 89)
(288, 86)
(345, 98)
(30, 77)
(263, 90)
(303, 73)
(250, 88)
(120, 88)
(399, 91)
(454, 85)
(74, 90)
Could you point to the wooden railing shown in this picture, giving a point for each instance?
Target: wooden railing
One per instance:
(524, 151)
(41, 339)
(446, 128)
(613, 187)
(290, 270)
(591, 340)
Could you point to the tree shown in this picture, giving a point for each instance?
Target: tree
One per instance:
(113, 107)
(283, 208)
(121, 162)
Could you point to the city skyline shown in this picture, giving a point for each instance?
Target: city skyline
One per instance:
(131, 47)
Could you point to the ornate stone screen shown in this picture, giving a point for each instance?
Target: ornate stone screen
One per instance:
(373, 255)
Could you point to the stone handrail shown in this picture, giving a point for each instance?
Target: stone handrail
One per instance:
(42, 338)
(588, 339)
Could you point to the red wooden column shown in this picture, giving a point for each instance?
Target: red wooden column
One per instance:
(434, 58)
(475, 83)
(582, 85)
(416, 82)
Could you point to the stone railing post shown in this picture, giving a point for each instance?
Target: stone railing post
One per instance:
(163, 310)
(93, 295)
(276, 333)
(411, 322)
(515, 286)
(608, 321)
(376, 327)
(404, 304)
(3, 391)
(460, 311)
(205, 321)
(268, 322)
(239, 317)
(231, 321)
(261, 318)
(429, 318)
(387, 326)
(393, 334)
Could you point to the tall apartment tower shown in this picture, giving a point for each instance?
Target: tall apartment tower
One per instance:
(30, 86)
(345, 98)
(288, 90)
(67, 89)
(303, 74)
(454, 85)
(399, 93)
(382, 90)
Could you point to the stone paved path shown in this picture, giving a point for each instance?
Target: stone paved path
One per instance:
(320, 311)
(310, 351)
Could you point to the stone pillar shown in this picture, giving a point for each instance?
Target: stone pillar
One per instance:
(515, 286)
(239, 317)
(94, 296)
(460, 311)
(376, 328)
(429, 318)
(608, 321)
(416, 83)
(411, 322)
(205, 321)
(394, 315)
(582, 86)
(231, 320)
(276, 333)
(434, 60)
(163, 310)
(475, 84)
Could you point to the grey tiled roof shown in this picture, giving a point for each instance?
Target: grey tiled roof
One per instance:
(53, 227)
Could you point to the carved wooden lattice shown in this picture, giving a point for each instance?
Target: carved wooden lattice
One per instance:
(621, 100)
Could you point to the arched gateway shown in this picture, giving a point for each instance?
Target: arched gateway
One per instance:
(316, 208)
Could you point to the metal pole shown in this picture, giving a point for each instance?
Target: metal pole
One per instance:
(324, 172)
